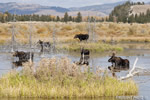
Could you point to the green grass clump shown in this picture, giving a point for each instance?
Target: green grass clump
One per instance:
(59, 78)
(94, 47)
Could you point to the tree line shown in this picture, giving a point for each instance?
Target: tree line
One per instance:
(7, 17)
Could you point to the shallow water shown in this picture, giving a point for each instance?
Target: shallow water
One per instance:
(97, 60)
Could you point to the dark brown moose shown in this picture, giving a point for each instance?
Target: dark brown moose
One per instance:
(119, 63)
(82, 37)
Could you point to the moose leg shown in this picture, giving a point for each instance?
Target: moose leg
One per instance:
(127, 65)
(83, 58)
(42, 47)
(86, 59)
(117, 66)
(114, 75)
(113, 64)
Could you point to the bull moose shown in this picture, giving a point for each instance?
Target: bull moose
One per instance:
(119, 63)
(82, 37)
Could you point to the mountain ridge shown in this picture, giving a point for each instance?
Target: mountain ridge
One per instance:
(102, 8)
(18, 8)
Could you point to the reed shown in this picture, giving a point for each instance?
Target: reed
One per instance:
(59, 78)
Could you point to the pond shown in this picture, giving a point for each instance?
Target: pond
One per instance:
(97, 60)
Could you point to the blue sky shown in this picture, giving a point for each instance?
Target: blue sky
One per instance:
(66, 3)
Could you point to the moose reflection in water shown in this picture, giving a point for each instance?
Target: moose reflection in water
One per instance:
(17, 63)
(118, 64)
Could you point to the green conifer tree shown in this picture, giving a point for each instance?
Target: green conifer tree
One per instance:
(66, 17)
(79, 17)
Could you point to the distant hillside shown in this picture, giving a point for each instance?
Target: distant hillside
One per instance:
(104, 8)
(16, 8)
(137, 9)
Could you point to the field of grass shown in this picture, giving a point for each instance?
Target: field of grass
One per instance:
(59, 78)
(65, 32)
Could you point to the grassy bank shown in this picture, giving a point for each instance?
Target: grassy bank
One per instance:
(59, 78)
(93, 47)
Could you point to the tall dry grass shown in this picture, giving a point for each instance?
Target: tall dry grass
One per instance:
(65, 32)
(103, 30)
(59, 78)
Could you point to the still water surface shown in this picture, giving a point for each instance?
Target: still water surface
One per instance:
(97, 60)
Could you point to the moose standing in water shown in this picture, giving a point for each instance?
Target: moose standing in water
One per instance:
(82, 37)
(23, 57)
(44, 44)
(85, 55)
(119, 63)
(84, 59)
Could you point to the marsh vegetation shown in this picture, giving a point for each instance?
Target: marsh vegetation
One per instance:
(59, 78)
